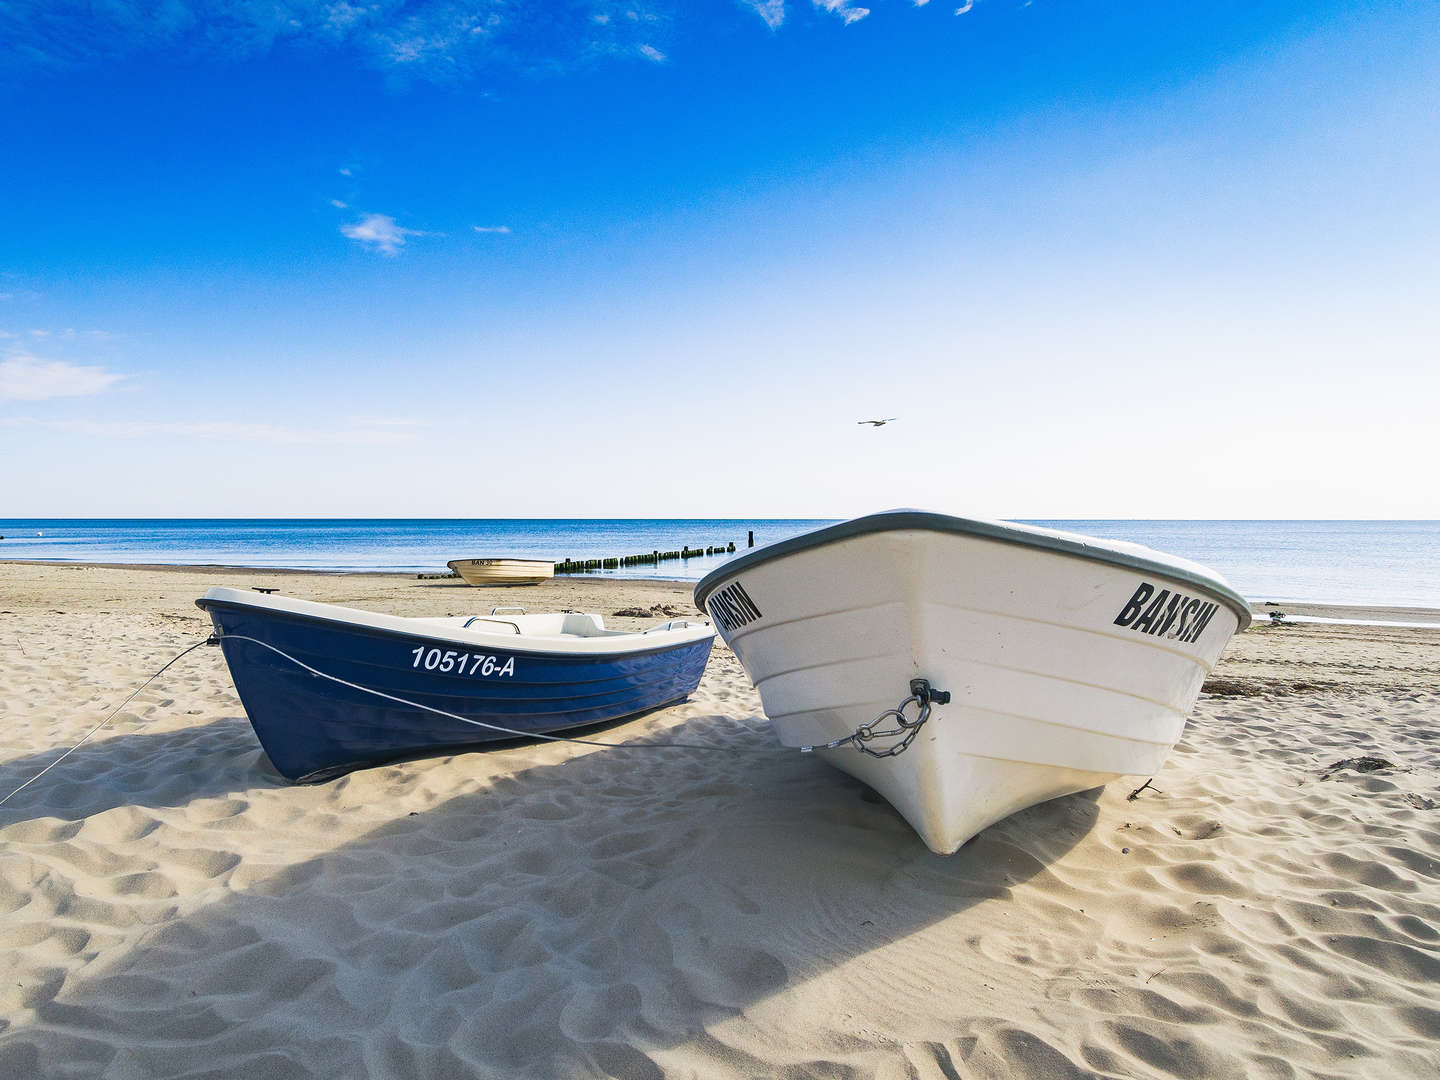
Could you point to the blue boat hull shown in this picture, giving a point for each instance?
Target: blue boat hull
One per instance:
(314, 729)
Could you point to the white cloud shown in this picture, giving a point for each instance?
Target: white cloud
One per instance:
(772, 11)
(652, 53)
(965, 7)
(346, 172)
(379, 232)
(503, 230)
(339, 205)
(372, 434)
(28, 378)
(845, 9)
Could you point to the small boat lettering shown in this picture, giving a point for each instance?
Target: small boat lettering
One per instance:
(732, 608)
(1166, 614)
(451, 660)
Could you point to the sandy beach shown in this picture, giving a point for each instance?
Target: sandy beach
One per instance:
(172, 907)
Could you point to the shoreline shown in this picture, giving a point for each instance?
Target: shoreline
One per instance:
(1398, 615)
(239, 568)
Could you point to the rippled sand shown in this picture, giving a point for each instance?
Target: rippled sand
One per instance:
(170, 907)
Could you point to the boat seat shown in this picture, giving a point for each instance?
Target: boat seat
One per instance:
(580, 624)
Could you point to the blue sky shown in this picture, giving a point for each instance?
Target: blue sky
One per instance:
(1111, 259)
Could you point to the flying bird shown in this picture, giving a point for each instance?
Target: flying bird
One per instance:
(877, 423)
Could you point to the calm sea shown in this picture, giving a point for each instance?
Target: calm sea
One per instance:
(1358, 562)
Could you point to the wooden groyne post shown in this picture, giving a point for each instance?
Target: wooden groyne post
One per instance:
(653, 558)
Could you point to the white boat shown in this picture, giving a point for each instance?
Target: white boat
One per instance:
(503, 571)
(967, 669)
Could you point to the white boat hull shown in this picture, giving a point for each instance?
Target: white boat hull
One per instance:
(503, 571)
(1050, 693)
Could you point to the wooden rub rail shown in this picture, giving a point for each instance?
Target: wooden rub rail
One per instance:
(654, 558)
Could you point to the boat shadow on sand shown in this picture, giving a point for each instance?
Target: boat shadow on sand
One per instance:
(571, 916)
(220, 758)
(215, 759)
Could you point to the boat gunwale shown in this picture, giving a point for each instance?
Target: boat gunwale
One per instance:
(929, 521)
(495, 642)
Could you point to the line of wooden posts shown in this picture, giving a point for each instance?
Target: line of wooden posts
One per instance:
(580, 566)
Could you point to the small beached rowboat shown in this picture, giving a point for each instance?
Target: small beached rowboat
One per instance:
(968, 669)
(329, 689)
(503, 571)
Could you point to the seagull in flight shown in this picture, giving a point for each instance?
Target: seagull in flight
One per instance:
(877, 423)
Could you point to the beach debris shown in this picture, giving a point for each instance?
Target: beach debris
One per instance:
(1231, 688)
(1277, 616)
(1364, 764)
(666, 610)
(1136, 793)
(878, 423)
(1420, 802)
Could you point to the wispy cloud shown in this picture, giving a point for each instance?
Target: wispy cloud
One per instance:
(28, 378)
(435, 40)
(844, 9)
(439, 40)
(339, 205)
(379, 232)
(219, 430)
(503, 230)
(772, 11)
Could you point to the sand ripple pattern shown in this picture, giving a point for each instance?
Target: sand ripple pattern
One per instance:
(169, 907)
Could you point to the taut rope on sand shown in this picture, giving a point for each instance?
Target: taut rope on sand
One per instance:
(108, 718)
(467, 720)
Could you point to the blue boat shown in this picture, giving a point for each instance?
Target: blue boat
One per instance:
(330, 689)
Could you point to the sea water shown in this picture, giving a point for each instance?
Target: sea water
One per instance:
(1354, 562)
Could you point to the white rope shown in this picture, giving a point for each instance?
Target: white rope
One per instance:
(102, 723)
(364, 689)
(478, 723)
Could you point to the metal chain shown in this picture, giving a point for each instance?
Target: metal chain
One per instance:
(921, 694)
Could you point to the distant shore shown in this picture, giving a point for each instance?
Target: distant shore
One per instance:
(1349, 612)
(1362, 563)
(1360, 613)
